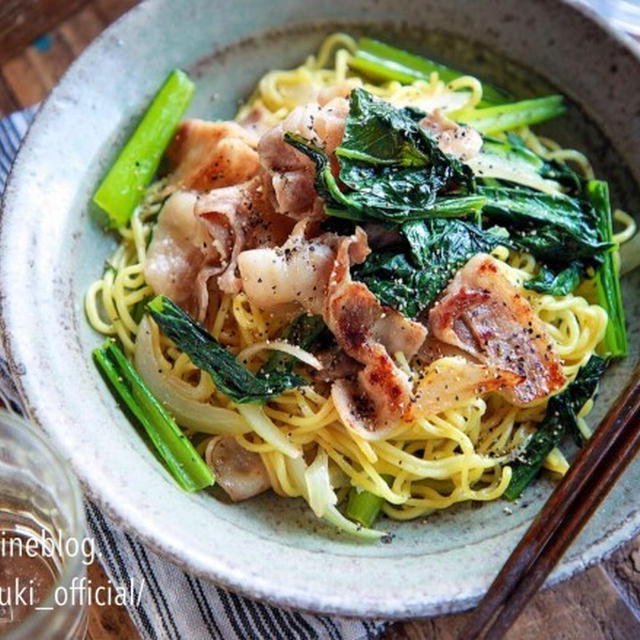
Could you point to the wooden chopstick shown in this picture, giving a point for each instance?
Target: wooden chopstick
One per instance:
(589, 479)
(589, 499)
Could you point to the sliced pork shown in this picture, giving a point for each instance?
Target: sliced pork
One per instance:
(198, 238)
(289, 173)
(484, 315)
(207, 155)
(237, 218)
(180, 253)
(239, 472)
(454, 139)
(298, 271)
(336, 364)
(370, 334)
(316, 274)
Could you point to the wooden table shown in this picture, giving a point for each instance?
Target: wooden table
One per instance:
(603, 602)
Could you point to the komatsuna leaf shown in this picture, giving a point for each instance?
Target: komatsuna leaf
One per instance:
(390, 161)
(556, 229)
(560, 416)
(556, 248)
(560, 284)
(526, 209)
(347, 205)
(410, 281)
(390, 167)
(229, 376)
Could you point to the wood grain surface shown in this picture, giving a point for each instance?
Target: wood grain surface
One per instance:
(601, 603)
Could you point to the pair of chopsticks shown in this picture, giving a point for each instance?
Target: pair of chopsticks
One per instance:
(589, 479)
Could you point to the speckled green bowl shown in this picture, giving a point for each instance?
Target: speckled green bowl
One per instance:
(50, 251)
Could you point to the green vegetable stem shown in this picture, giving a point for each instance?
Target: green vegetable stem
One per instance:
(504, 117)
(364, 507)
(384, 62)
(176, 450)
(607, 280)
(122, 188)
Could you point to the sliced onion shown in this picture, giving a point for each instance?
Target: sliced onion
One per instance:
(173, 393)
(489, 165)
(314, 485)
(320, 494)
(280, 345)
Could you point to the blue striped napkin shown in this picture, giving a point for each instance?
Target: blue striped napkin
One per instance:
(174, 604)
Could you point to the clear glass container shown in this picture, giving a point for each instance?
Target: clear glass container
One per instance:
(43, 543)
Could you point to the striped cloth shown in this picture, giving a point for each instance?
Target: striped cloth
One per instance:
(172, 603)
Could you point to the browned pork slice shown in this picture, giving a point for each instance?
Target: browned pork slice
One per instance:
(206, 155)
(239, 472)
(198, 238)
(454, 139)
(237, 218)
(433, 349)
(336, 364)
(484, 315)
(180, 255)
(370, 334)
(289, 173)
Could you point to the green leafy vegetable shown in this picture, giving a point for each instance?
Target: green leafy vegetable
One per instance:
(208, 354)
(525, 209)
(553, 246)
(497, 119)
(607, 280)
(559, 284)
(560, 415)
(556, 229)
(123, 186)
(398, 283)
(181, 458)
(346, 205)
(409, 281)
(392, 168)
(384, 62)
(390, 160)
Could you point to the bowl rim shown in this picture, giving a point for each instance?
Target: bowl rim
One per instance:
(122, 514)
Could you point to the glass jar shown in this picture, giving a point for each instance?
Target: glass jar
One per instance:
(44, 550)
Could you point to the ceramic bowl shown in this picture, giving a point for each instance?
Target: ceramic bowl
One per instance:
(51, 250)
